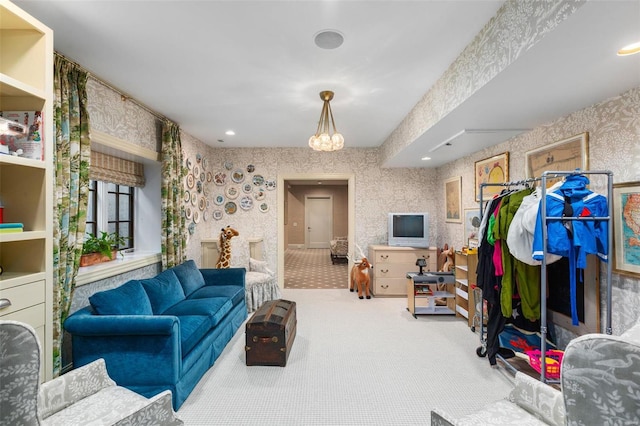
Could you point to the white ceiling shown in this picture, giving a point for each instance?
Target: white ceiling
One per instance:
(253, 67)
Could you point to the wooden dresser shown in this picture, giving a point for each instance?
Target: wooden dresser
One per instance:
(391, 264)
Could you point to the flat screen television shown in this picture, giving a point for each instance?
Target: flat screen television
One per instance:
(409, 229)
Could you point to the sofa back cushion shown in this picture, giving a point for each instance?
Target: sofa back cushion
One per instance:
(164, 291)
(189, 276)
(128, 299)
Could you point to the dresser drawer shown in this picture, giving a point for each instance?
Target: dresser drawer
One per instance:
(406, 257)
(393, 270)
(23, 296)
(390, 287)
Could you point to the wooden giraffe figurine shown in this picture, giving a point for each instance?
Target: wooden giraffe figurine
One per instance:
(224, 258)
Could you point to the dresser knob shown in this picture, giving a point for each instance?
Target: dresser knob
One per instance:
(4, 303)
(384, 271)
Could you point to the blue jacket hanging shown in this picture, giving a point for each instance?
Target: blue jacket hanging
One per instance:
(574, 239)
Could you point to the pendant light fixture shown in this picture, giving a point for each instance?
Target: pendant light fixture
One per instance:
(322, 140)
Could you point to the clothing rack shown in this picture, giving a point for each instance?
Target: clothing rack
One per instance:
(543, 272)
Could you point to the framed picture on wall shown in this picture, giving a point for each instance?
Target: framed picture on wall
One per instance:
(453, 199)
(626, 228)
(471, 224)
(491, 170)
(565, 155)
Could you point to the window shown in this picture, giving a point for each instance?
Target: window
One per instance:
(110, 209)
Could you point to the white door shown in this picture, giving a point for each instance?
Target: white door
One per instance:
(319, 220)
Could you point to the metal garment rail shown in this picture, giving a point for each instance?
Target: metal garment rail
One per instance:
(543, 271)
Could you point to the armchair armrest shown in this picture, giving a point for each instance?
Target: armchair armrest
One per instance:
(227, 276)
(440, 418)
(159, 412)
(539, 399)
(85, 323)
(73, 386)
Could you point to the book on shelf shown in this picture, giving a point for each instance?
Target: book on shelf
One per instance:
(7, 228)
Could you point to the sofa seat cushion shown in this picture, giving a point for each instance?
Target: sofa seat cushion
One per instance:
(214, 308)
(164, 291)
(105, 407)
(189, 276)
(501, 412)
(127, 299)
(193, 328)
(233, 292)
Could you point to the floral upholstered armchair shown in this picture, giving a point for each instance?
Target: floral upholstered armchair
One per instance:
(84, 396)
(339, 248)
(600, 379)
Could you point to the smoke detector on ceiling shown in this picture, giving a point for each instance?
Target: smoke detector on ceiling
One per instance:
(328, 39)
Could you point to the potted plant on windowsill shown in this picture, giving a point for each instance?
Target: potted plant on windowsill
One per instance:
(100, 249)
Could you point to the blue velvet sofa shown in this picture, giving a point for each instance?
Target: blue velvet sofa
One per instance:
(163, 332)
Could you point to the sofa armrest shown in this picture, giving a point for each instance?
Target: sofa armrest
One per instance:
(539, 399)
(225, 276)
(65, 390)
(159, 412)
(86, 323)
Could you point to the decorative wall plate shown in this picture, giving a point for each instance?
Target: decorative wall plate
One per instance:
(194, 199)
(188, 213)
(198, 158)
(209, 176)
(232, 192)
(219, 178)
(203, 176)
(217, 214)
(205, 164)
(196, 216)
(230, 207)
(199, 187)
(251, 168)
(192, 228)
(258, 180)
(218, 200)
(196, 171)
(270, 184)
(190, 181)
(237, 176)
(205, 215)
(202, 203)
(188, 163)
(246, 202)
(187, 196)
(247, 188)
(228, 165)
(259, 194)
(264, 207)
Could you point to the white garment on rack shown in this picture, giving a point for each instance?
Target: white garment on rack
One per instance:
(522, 227)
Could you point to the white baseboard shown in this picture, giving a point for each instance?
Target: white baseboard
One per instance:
(295, 246)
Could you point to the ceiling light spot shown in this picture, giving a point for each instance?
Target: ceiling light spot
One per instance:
(629, 49)
(328, 39)
(230, 133)
(426, 158)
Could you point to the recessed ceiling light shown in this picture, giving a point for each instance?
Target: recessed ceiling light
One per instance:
(328, 39)
(221, 140)
(629, 49)
(229, 133)
(426, 158)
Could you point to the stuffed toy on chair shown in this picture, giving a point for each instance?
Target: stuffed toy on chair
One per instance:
(224, 258)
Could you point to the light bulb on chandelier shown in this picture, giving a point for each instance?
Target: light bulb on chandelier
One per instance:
(322, 140)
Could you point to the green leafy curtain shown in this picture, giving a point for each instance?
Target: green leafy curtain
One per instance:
(72, 156)
(174, 232)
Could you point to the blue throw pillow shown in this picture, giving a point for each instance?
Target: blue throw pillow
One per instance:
(189, 276)
(128, 299)
(164, 291)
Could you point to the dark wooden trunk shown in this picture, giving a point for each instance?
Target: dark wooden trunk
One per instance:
(270, 333)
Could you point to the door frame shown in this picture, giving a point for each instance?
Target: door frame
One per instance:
(314, 177)
(307, 213)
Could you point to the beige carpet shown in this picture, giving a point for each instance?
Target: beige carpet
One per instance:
(312, 269)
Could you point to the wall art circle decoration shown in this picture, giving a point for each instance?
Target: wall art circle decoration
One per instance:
(246, 202)
(218, 200)
(264, 207)
(258, 180)
(230, 207)
(199, 187)
(187, 196)
(198, 158)
(260, 194)
(205, 189)
(217, 214)
(209, 176)
(203, 176)
(251, 168)
(188, 213)
(247, 188)
(188, 163)
(194, 199)
(196, 171)
(232, 192)
(190, 181)
(228, 165)
(237, 176)
(219, 178)
(205, 164)
(192, 228)
(202, 203)
(205, 216)
(196, 216)
(270, 184)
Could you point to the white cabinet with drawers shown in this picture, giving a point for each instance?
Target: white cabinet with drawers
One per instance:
(391, 264)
